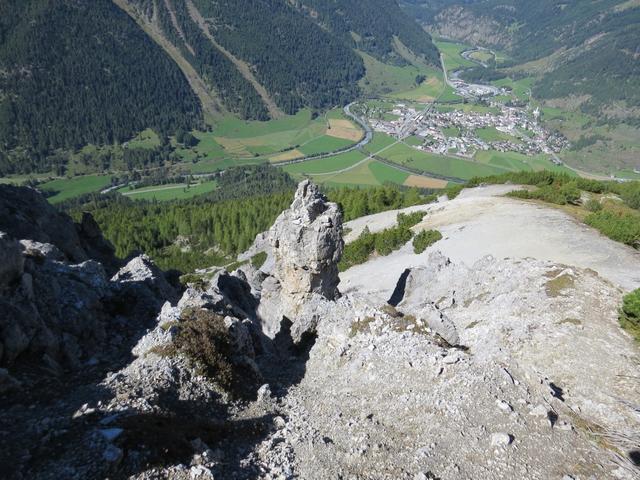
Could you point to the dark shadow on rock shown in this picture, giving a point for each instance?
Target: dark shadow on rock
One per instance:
(286, 367)
(169, 439)
(41, 434)
(36, 421)
(398, 292)
(556, 391)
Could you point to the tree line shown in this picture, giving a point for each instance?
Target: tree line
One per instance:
(212, 229)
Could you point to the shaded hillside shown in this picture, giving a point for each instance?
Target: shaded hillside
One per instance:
(373, 26)
(81, 72)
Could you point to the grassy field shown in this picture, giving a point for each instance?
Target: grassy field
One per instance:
(359, 175)
(514, 161)
(73, 187)
(451, 54)
(628, 174)
(146, 139)
(451, 132)
(237, 142)
(414, 141)
(234, 142)
(168, 192)
(378, 142)
(382, 79)
(492, 134)
(431, 89)
(324, 165)
(519, 88)
(19, 179)
(232, 127)
(483, 56)
(368, 173)
(324, 144)
(616, 150)
(384, 173)
(438, 164)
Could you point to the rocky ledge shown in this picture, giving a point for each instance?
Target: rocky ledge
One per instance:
(503, 369)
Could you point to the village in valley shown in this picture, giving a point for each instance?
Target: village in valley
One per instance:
(493, 126)
(484, 117)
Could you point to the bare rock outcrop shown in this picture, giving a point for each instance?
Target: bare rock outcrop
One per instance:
(306, 244)
(26, 214)
(307, 241)
(56, 301)
(534, 378)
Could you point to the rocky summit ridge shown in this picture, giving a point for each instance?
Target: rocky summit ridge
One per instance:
(506, 368)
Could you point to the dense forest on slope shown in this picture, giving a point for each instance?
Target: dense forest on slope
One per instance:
(221, 76)
(372, 26)
(298, 63)
(583, 48)
(80, 72)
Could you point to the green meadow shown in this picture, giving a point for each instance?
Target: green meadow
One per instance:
(67, 188)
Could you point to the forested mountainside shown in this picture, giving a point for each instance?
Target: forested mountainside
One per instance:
(583, 48)
(373, 26)
(294, 54)
(79, 72)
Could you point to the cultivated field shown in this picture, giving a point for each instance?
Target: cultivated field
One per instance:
(168, 192)
(344, 129)
(73, 187)
(437, 164)
(324, 165)
(451, 54)
(290, 155)
(425, 182)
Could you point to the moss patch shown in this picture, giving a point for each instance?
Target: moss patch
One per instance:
(556, 286)
(361, 326)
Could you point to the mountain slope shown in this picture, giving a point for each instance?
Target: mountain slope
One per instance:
(583, 48)
(79, 72)
(82, 72)
(373, 27)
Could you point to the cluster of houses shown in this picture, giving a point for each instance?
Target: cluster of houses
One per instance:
(455, 132)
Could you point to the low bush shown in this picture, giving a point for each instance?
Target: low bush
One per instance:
(425, 239)
(630, 314)
(408, 220)
(258, 259)
(383, 243)
(559, 194)
(593, 205)
(628, 191)
(203, 338)
(621, 227)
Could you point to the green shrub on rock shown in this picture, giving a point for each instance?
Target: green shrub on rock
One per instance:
(630, 314)
(593, 205)
(425, 239)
